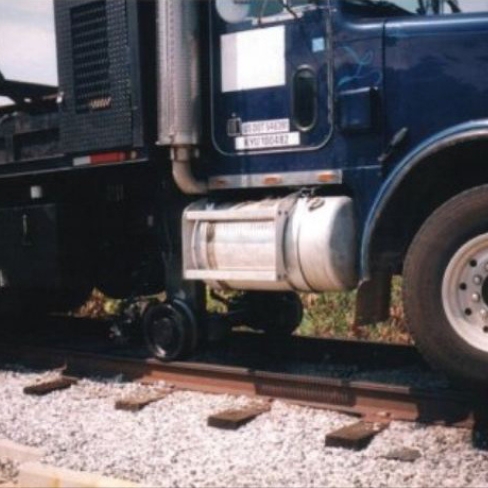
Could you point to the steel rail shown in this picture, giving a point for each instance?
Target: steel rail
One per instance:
(372, 400)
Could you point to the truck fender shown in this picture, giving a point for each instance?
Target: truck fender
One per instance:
(468, 131)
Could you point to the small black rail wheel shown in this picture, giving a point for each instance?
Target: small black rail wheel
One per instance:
(446, 287)
(170, 330)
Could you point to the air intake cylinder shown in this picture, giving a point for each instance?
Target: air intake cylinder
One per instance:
(178, 58)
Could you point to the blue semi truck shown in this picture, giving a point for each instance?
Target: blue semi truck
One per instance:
(267, 147)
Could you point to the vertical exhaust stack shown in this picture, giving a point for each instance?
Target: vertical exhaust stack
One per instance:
(179, 88)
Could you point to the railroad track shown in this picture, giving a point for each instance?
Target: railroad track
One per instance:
(376, 401)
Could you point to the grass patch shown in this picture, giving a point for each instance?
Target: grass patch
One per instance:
(332, 315)
(325, 315)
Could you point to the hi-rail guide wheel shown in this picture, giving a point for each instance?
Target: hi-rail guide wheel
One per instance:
(170, 330)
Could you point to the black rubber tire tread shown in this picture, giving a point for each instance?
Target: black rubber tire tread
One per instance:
(460, 219)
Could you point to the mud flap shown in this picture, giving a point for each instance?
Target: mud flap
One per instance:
(373, 299)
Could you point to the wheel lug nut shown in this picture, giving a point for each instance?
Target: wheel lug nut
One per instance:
(475, 297)
(477, 280)
(483, 313)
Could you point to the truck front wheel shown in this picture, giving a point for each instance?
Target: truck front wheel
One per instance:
(446, 287)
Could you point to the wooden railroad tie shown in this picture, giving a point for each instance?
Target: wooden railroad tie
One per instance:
(135, 403)
(233, 419)
(403, 454)
(45, 387)
(356, 436)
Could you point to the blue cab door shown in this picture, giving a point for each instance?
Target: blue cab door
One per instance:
(270, 69)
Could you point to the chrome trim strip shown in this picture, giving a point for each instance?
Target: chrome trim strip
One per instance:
(269, 180)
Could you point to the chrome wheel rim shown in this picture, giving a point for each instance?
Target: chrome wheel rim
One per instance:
(465, 292)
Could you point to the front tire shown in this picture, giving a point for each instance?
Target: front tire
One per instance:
(446, 287)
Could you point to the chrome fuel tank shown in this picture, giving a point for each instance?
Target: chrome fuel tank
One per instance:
(292, 243)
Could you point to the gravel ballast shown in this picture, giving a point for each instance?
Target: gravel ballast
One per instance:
(168, 443)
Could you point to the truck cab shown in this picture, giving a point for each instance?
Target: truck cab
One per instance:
(374, 110)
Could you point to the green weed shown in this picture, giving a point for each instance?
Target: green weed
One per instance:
(325, 315)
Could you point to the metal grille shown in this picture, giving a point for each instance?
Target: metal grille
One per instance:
(99, 77)
(91, 61)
